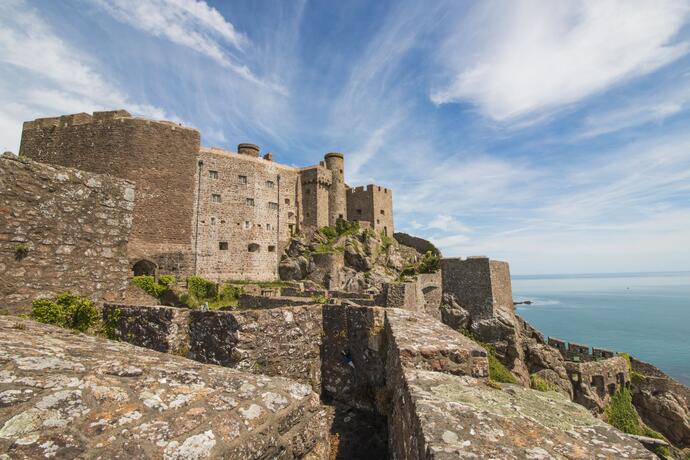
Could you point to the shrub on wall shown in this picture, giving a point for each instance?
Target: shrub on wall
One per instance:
(149, 285)
(201, 288)
(66, 310)
(430, 263)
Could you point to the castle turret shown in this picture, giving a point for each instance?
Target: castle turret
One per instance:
(248, 149)
(337, 197)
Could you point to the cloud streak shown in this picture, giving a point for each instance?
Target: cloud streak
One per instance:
(517, 59)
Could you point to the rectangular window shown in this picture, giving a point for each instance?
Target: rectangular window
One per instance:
(243, 179)
(213, 174)
(359, 211)
(249, 201)
(272, 205)
(215, 198)
(287, 201)
(271, 249)
(382, 213)
(270, 184)
(247, 225)
(223, 245)
(268, 226)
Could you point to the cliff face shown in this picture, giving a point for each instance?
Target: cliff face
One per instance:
(662, 402)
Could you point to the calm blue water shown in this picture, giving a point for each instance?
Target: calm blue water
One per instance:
(644, 314)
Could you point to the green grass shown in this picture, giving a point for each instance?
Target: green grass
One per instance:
(539, 384)
(621, 413)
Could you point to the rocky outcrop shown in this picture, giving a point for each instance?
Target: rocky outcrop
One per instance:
(66, 395)
(662, 402)
(354, 261)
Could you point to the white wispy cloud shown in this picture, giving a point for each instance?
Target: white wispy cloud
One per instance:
(512, 59)
(192, 24)
(63, 79)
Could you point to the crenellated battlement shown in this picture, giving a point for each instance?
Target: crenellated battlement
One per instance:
(578, 352)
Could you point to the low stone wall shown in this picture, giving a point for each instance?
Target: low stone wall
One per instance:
(278, 342)
(67, 395)
(353, 355)
(248, 301)
(61, 229)
(578, 352)
(594, 382)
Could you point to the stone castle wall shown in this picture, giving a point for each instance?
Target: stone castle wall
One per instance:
(337, 197)
(469, 281)
(316, 184)
(248, 209)
(373, 204)
(159, 157)
(61, 229)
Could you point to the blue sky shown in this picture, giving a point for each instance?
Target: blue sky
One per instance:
(553, 135)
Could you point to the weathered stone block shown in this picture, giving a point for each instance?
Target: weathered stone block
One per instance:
(70, 395)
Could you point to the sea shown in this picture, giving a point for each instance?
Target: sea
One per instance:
(644, 314)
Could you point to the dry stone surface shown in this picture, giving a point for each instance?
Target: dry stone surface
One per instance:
(461, 417)
(66, 395)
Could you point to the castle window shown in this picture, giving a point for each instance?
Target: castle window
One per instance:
(307, 214)
(379, 189)
(340, 216)
(378, 221)
(306, 191)
(253, 247)
(243, 179)
(213, 174)
(272, 205)
(359, 211)
(223, 245)
(213, 221)
(247, 225)
(292, 229)
(271, 249)
(287, 201)
(341, 171)
(291, 215)
(249, 201)
(215, 198)
(268, 226)
(222, 221)
(382, 212)
(270, 183)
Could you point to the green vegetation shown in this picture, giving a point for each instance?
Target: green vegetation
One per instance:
(109, 328)
(330, 233)
(497, 371)
(386, 240)
(320, 298)
(539, 383)
(201, 290)
(149, 285)
(344, 227)
(21, 250)
(430, 263)
(621, 413)
(167, 280)
(66, 310)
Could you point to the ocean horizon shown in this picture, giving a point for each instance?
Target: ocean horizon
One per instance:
(646, 314)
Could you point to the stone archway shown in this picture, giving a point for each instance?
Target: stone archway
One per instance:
(145, 267)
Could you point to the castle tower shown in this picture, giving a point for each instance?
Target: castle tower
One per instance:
(337, 196)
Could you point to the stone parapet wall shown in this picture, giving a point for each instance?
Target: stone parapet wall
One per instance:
(594, 382)
(578, 352)
(67, 395)
(159, 157)
(61, 229)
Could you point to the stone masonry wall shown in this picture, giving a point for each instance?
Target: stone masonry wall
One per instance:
(61, 229)
(279, 342)
(248, 209)
(316, 184)
(337, 198)
(469, 281)
(159, 157)
(373, 204)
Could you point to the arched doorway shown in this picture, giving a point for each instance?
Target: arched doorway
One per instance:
(144, 267)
